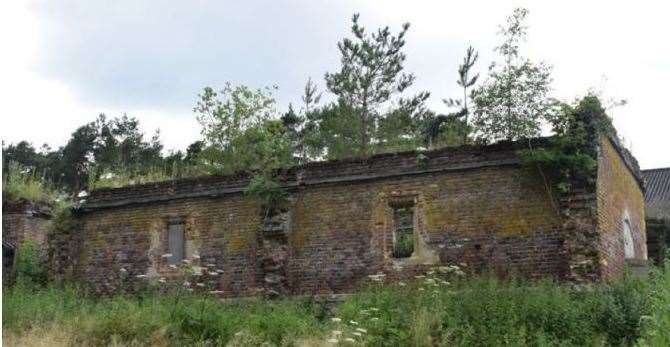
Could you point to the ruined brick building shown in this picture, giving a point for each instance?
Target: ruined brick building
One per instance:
(397, 214)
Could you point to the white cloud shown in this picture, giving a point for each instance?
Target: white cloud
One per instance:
(70, 61)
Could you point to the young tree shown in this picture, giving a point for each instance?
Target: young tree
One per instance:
(454, 128)
(370, 75)
(242, 131)
(301, 125)
(513, 101)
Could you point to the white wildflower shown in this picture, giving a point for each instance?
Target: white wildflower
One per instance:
(141, 276)
(200, 284)
(374, 319)
(353, 322)
(336, 320)
(357, 333)
(402, 284)
(361, 330)
(162, 280)
(173, 266)
(123, 270)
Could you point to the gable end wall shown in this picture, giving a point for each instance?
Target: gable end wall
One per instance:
(619, 196)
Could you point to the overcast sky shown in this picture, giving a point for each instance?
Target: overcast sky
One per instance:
(64, 62)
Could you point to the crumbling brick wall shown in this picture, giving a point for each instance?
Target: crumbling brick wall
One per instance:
(22, 221)
(472, 205)
(620, 201)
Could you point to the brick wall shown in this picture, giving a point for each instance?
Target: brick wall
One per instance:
(472, 205)
(24, 221)
(21, 221)
(619, 198)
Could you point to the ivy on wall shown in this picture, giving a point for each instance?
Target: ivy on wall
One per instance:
(571, 156)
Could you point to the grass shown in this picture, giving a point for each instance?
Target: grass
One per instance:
(441, 309)
(124, 177)
(22, 183)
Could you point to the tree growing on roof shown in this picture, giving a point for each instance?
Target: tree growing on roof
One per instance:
(514, 99)
(370, 75)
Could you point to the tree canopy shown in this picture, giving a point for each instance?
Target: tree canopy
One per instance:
(369, 110)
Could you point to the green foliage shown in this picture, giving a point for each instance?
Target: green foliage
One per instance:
(512, 102)
(371, 74)
(126, 320)
(490, 312)
(455, 125)
(270, 192)
(63, 221)
(403, 246)
(30, 271)
(121, 177)
(656, 326)
(22, 183)
(96, 148)
(244, 135)
(572, 155)
(442, 308)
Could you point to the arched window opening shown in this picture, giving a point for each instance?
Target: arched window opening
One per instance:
(628, 246)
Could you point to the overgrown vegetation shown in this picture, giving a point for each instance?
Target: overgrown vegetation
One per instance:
(442, 308)
(571, 155)
(23, 183)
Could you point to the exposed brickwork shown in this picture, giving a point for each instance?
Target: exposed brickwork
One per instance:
(473, 205)
(21, 221)
(24, 221)
(619, 198)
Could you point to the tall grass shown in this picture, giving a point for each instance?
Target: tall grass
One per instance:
(125, 177)
(428, 312)
(20, 182)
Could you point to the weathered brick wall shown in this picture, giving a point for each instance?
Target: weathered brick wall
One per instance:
(473, 206)
(619, 197)
(24, 221)
(221, 231)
